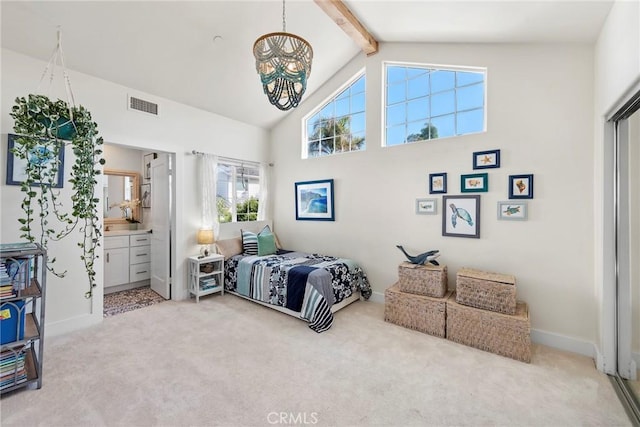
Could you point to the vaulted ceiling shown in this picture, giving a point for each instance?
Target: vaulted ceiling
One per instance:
(199, 53)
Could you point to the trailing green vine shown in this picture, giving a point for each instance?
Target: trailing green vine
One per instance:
(45, 128)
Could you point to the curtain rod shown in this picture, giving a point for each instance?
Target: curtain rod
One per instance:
(228, 159)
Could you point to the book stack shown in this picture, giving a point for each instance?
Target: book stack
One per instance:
(6, 288)
(208, 283)
(12, 368)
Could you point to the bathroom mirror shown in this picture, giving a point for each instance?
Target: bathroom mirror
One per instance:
(119, 187)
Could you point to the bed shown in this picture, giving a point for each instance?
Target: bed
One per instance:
(309, 286)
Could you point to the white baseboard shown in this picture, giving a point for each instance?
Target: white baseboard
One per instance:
(69, 325)
(550, 339)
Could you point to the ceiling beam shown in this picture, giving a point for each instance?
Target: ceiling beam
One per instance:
(341, 15)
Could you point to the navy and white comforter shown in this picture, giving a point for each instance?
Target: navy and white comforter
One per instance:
(302, 282)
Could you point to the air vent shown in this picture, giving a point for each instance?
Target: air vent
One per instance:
(142, 105)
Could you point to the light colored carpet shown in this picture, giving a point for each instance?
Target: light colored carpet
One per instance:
(230, 362)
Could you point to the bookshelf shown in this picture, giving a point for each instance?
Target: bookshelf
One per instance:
(23, 269)
(206, 275)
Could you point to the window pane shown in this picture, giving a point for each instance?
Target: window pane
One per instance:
(396, 93)
(469, 78)
(357, 103)
(443, 103)
(445, 125)
(417, 131)
(442, 80)
(418, 109)
(419, 86)
(342, 107)
(470, 97)
(415, 72)
(396, 135)
(470, 121)
(357, 141)
(395, 74)
(327, 111)
(343, 94)
(357, 122)
(326, 128)
(358, 86)
(396, 114)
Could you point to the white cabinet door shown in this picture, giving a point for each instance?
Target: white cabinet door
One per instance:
(116, 267)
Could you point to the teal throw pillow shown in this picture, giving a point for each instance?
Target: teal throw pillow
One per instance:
(266, 244)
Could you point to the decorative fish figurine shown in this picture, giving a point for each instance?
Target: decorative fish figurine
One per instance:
(429, 256)
(521, 185)
(511, 210)
(460, 213)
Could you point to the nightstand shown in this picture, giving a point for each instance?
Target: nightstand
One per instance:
(206, 275)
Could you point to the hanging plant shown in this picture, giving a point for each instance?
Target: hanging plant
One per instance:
(46, 127)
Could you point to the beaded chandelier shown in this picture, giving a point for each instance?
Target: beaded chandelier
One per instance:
(283, 61)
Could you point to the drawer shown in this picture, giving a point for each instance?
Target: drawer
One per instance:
(139, 272)
(140, 239)
(139, 254)
(114, 242)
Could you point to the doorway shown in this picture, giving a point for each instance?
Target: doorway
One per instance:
(626, 140)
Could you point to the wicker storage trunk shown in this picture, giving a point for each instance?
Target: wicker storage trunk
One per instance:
(490, 291)
(429, 280)
(503, 334)
(422, 313)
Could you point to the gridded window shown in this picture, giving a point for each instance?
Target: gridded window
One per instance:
(426, 103)
(237, 193)
(337, 126)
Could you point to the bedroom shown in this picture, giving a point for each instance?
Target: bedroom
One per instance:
(541, 102)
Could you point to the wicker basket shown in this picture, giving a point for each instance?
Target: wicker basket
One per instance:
(503, 334)
(422, 313)
(429, 280)
(489, 291)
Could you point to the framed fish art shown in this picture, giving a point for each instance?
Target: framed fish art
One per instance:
(521, 186)
(461, 216)
(512, 211)
(474, 183)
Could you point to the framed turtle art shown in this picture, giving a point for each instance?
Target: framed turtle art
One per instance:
(461, 216)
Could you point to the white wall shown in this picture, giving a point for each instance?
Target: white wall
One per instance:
(540, 110)
(617, 70)
(178, 129)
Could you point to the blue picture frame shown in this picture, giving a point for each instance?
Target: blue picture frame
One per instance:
(474, 183)
(16, 167)
(521, 186)
(438, 183)
(314, 200)
(486, 159)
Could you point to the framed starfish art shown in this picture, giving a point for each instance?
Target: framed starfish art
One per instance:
(486, 159)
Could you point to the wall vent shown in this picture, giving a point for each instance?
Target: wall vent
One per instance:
(143, 106)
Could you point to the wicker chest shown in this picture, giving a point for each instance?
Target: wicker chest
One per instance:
(503, 334)
(429, 280)
(489, 291)
(419, 312)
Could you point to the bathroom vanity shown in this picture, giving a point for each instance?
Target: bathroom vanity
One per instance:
(127, 256)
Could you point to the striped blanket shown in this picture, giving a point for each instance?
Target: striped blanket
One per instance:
(306, 283)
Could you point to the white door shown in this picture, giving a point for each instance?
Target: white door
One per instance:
(160, 225)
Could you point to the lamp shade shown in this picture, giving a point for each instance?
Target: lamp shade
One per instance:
(205, 237)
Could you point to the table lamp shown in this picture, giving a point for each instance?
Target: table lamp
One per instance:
(205, 238)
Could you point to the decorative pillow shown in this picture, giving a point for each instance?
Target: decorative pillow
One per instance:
(266, 243)
(249, 242)
(229, 247)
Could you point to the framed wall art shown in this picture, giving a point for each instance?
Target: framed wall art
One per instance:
(521, 186)
(461, 216)
(426, 206)
(147, 164)
(438, 183)
(486, 159)
(145, 194)
(474, 183)
(314, 200)
(513, 211)
(43, 155)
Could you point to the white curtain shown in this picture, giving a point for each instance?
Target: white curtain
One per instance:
(209, 185)
(263, 197)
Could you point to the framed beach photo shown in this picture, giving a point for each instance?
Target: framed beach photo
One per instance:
(314, 200)
(486, 159)
(474, 183)
(438, 183)
(42, 155)
(521, 186)
(426, 206)
(461, 216)
(512, 211)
